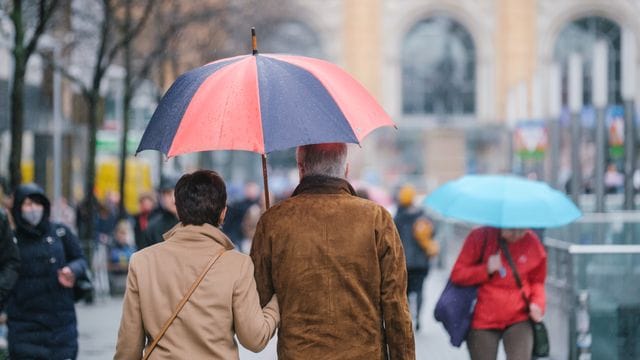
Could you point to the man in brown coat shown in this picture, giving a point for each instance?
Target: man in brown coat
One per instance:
(337, 264)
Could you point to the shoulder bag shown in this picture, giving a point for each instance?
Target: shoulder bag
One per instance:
(456, 304)
(184, 300)
(540, 335)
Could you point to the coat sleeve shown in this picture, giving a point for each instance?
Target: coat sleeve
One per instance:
(131, 336)
(393, 290)
(261, 256)
(254, 325)
(9, 259)
(467, 270)
(537, 277)
(73, 253)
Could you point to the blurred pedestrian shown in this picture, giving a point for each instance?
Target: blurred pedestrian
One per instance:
(237, 210)
(9, 258)
(224, 304)
(165, 217)
(65, 213)
(250, 223)
(417, 234)
(336, 262)
(120, 250)
(147, 204)
(613, 180)
(41, 312)
(106, 219)
(9, 265)
(501, 312)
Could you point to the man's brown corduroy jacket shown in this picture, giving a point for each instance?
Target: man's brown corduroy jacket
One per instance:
(337, 264)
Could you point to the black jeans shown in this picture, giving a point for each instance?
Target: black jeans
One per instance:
(415, 282)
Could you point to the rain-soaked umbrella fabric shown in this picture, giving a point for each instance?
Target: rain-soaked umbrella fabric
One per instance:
(503, 201)
(262, 103)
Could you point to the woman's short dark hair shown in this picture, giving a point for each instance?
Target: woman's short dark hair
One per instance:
(200, 198)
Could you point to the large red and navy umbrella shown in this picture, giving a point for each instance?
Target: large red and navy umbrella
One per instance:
(262, 103)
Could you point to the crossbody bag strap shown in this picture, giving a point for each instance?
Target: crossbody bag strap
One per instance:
(484, 245)
(507, 254)
(184, 300)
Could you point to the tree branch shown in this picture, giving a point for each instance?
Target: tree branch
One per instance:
(65, 73)
(130, 34)
(44, 15)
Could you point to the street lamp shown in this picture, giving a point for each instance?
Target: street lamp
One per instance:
(575, 106)
(554, 109)
(600, 99)
(629, 79)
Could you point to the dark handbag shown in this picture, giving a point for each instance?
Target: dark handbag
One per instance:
(540, 339)
(455, 306)
(83, 288)
(540, 335)
(455, 311)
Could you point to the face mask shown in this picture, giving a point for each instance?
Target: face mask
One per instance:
(33, 216)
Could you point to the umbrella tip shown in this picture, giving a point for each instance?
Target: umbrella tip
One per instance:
(254, 41)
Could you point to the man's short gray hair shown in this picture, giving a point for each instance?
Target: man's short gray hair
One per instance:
(323, 159)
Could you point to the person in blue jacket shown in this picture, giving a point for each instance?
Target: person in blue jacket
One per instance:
(41, 311)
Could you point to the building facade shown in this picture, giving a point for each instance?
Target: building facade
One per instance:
(457, 76)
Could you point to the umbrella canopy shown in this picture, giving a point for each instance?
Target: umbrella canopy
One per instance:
(262, 103)
(503, 201)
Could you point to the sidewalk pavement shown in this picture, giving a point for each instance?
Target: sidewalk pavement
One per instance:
(98, 329)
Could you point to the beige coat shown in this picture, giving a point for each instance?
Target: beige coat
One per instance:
(225, 304)
(336, 262)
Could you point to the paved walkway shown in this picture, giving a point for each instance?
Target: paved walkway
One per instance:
(98, 327)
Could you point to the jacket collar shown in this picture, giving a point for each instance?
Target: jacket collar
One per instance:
(320, 184)
(195, 234)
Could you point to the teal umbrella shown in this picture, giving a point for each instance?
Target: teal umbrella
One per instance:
(503, 201)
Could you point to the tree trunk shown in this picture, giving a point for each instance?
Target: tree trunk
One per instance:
(17, 121)
(125, 136)
(17, 97)
(90, 175)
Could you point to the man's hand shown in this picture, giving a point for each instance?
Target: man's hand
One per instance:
(535, 312)
(66, 278)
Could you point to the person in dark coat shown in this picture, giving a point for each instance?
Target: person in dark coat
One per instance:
(148, 208)
(410, 220)
(9, 258)
(237, 211)
(41, 312)
(165, 218)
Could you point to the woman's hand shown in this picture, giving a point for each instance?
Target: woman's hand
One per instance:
(66, 278)
(494, 263)
(535, 312)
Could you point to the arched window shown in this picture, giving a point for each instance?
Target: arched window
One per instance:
(290, 37)
(579, 37)
(438, 68)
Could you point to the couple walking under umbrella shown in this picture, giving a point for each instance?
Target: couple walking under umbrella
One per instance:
(326, 266)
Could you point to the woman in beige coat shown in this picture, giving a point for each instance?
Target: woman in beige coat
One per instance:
(223, 305)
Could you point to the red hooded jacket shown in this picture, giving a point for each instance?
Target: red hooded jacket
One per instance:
(500, 303)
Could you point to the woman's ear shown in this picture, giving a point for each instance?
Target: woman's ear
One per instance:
(222, 216)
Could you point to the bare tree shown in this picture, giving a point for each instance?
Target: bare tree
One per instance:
(151, 49)
(23, 47)
(98, 42)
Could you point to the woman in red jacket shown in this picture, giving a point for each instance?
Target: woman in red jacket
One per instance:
(501, 312)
